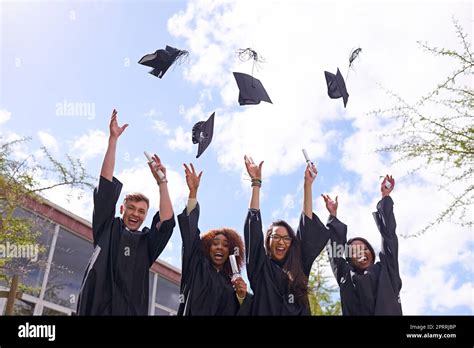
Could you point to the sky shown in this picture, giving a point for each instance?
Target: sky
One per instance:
(58, 56)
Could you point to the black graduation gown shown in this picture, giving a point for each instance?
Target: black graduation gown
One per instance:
(375, 291)
(268, 280)
(116, 278)
(204, 290)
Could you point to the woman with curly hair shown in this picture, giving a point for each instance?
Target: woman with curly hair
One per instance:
(279, 263)
(207, 287)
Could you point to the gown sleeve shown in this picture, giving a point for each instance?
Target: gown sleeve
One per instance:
(313, 236)
(191, 249)
(385, 220)
(159, 235)
(246, 306)
(337, 242)
(254, 249)
(106, 195)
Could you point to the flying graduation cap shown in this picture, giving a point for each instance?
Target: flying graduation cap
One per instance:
(161, 60)
(202, 134)
(336, 86)
(251, 90)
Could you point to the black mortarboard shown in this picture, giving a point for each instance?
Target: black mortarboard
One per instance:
(336, 86)
(202, 133)
(251, 90)
(161, 60)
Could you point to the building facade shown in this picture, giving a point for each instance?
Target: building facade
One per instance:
(54, 277)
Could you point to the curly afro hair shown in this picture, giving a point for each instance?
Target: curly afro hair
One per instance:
(236, 246)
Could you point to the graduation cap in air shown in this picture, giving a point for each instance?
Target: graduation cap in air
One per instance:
(336, 86)
(161, 60)
(202, 134)
(251, 90)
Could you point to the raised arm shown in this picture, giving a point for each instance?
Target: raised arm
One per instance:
(166, 209)
(253, 233)
(188, 223)
(308, 189)
(255, 173)
(108, 165)
(192, 180)
(163, 222)
(107, 192)
(337, 240)
(311, 232)
(385, 220)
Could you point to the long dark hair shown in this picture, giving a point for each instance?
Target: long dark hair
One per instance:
(297, 280)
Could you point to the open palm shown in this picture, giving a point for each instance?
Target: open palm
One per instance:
(115, 129)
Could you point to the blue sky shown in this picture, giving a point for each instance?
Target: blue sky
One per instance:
(86, 52)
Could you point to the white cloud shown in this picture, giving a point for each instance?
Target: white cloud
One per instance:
(293, 74)
(433, 289)
(181, 141)
(77, 201)
(194, 113)
(161, 127)
(151, 113)
(170, 259)
(293, 38)
(4, 115)
(205, 94)
(140, 179)
(89, 145)
(287, 205)
(48, 141)
(19, 150)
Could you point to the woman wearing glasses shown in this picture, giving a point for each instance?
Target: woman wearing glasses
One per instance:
(279, 263)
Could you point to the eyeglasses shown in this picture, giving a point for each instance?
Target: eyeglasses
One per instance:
(277, 238)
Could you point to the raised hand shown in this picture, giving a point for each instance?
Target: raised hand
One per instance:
(192, 179)
(254, 171)
(240, 287)
(115, 129)
(386, 191)
(331, 205)
(308, 176)
(155, 166)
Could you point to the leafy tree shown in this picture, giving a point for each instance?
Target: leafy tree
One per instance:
(320, 292)
(19, 181)
(438, 130)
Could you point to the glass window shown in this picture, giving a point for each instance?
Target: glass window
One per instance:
(70, 260)
(159, 311)
(29, 261)
(3, 303)
(151, 276)
(50, 311)
(20, 307)
(167, 293)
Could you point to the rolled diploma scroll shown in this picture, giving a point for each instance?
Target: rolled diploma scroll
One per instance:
(308, 161)
(150, 160)
(235, 268)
